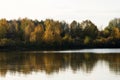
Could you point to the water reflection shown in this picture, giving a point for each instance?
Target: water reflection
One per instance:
(25, 63)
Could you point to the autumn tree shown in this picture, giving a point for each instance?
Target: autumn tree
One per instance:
(52, 32)
(37, 34)
(27, 26)
(3, 28)
(115, 33)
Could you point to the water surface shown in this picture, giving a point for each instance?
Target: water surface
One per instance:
(60, 66)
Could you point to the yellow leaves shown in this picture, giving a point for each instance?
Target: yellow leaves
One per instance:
(87, 40)
(3, 22)
(3, 28)
(37, 34)
(53, 31)
(48, 36)
(115, 33)
(68, 38)
(39, 29)
(32, 37)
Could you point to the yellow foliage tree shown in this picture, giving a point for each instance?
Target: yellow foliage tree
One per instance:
(3, 28)
(53, 31)
(37, 34)
(115, 33)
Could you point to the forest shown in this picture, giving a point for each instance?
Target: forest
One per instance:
(28, 34)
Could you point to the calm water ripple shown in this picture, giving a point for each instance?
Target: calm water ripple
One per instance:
(54, 65)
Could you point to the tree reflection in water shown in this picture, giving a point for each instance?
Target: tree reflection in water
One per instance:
(25, 63)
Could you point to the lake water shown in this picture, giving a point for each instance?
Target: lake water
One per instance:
(88, 64)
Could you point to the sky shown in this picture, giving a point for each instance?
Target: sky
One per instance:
(100, 12)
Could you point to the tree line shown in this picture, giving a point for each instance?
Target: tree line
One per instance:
(50, 34)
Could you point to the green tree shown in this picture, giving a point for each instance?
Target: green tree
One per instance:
(89, 29)
(105, 33)
(75, 30)
(13, 30)
(114, 23)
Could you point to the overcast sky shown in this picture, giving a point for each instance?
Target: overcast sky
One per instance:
(99, 12)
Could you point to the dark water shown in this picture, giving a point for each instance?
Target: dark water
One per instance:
(59, 66)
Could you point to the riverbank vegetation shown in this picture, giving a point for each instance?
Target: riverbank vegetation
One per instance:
(50, 34)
